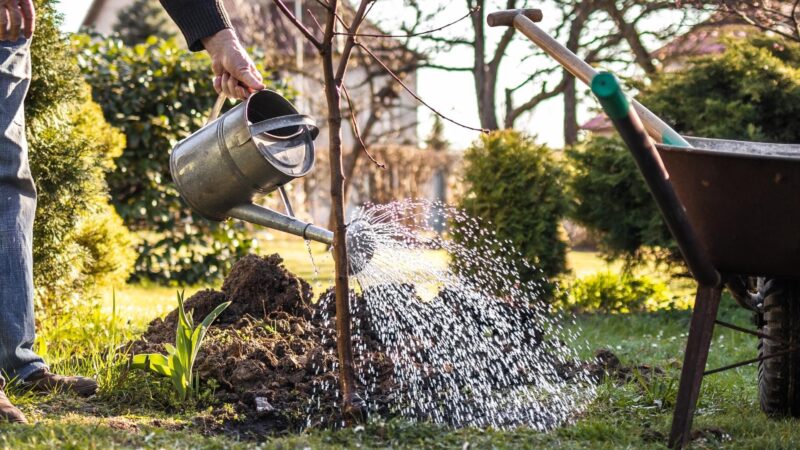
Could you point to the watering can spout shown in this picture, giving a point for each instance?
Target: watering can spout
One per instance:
(281, 222)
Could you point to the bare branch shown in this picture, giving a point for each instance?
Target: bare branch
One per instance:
(306, 32)
(413, 94)
(357, 132)
(358, 19)
(415, 34)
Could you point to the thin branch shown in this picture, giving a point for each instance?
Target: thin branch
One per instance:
(316, 22)
(306, 32)
(344, 60)
(413, 94)
(356, 130)
(445, 68)
(419, 33)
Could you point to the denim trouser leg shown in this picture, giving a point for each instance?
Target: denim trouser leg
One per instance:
(17, 208)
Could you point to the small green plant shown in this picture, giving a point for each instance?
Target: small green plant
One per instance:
(177, 364)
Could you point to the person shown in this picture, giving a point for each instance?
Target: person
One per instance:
(205, 25)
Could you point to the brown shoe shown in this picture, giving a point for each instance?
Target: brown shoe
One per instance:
(44, 381)
(9, 412)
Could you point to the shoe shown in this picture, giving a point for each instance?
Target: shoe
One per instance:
(44, 381)
(8, 412)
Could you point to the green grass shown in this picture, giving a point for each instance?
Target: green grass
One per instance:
(622, 416)
(133, 410)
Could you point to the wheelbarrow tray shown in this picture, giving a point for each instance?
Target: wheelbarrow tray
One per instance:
(743, 201)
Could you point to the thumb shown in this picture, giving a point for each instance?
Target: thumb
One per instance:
(250, 77)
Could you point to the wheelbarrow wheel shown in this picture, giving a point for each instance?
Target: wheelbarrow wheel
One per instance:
(779, 376)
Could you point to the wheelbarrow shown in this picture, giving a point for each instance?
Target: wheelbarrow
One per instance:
(734, 209)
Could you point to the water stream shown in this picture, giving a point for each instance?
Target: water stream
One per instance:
(471, 343)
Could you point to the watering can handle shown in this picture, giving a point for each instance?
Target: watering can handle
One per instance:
(217, 108)
(292, 120)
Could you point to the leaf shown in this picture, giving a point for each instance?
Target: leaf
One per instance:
(200, 332)
(152, 361)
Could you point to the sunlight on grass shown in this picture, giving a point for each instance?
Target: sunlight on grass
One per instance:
(583, 263)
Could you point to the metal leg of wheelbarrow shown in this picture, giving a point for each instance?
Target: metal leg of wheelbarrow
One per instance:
(701, 330)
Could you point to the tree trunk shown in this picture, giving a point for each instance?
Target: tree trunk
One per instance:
(344, 339)
(481, 71)
(570, 110)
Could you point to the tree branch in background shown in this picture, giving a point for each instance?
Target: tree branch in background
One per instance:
(413, 94)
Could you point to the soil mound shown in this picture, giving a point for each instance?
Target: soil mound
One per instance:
(272, 351)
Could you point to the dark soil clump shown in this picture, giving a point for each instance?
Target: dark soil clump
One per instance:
(270, 352)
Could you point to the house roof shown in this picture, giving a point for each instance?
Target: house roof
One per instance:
(705, 38)
(93, 12)
(600, 122)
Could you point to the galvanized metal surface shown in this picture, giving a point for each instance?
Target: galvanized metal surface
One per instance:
(743, 202)
(251, 150)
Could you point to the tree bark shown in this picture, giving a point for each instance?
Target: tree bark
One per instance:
(485, 79)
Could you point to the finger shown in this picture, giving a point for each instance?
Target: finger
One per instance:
(3, 23)
(28, 17)
(226, 77)
(243, 92)
(218, 84)
(233, 85)
(14, 23)
(251, 78)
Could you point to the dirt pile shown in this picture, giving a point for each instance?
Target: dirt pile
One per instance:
(272, 353)
(272, 350)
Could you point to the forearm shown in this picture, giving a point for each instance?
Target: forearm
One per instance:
(197, 19)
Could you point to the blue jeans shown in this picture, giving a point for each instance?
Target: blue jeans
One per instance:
(17, 208)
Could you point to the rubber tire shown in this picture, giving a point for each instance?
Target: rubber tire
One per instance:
(779, 377)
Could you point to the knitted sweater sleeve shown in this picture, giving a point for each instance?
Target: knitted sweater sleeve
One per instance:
(197, 19)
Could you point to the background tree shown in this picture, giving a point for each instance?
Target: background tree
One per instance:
(603, 32)
(142, 19)
(781, 17)
(80, 244)
(750, 92)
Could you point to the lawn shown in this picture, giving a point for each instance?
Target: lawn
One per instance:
(130, 411)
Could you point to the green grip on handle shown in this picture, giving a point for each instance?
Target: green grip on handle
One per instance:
(607, 89)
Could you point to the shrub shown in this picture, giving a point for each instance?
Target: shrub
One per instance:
(515, 186)
(608, 292)
(142, 19)
(610, 196)
(158, 94)
(750, 92)
(72, 147)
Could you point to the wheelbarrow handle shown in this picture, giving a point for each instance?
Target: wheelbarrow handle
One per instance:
(656, 128)
(606, 88)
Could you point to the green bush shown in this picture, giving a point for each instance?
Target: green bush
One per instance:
(610, 197)
(79, 242)
(609, 292)
(749, 92)
(515, 186)
(158, 93)
(142, 19)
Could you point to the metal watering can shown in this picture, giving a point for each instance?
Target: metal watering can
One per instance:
(253, 149)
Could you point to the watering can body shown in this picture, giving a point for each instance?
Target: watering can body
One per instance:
(253, 149)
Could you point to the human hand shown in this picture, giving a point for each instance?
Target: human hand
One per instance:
(17, 19)
(235, 74)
